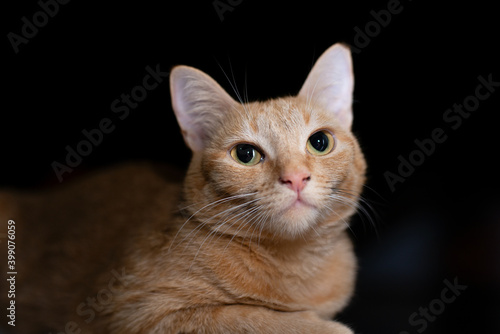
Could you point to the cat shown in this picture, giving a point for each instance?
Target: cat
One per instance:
(254, 240)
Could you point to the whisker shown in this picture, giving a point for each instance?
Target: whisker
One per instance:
(259, 222)
(243, 215)
(212, 234)
(245, 92)
(242, 225)
(343, 220)
(226, 212)
(234, 87)
(210, 205)
(262, 223)
(359, 203)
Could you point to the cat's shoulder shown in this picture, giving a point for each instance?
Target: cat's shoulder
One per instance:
(141, 174)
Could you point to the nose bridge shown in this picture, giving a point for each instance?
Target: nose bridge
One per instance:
(289, 148)
(293, 165)
(291, 152)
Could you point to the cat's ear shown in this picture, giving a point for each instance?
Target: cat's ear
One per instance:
(199, 104)
(330, 83)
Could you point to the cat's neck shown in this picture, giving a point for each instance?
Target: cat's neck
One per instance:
(320, 240)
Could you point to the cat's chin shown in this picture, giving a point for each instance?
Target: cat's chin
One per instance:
(297, 217)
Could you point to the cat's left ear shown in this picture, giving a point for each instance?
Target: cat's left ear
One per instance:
(199, 104)
(330, 83)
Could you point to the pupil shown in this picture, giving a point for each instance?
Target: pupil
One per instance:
(245, 153)
(319, 141)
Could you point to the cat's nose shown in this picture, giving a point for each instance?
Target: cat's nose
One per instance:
(296, 180)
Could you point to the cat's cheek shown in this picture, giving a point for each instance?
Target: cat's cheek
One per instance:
(235, 185)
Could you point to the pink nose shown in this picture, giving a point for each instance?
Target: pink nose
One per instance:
(296, 180)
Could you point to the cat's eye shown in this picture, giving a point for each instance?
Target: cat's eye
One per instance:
(321, 143)
(246, 154)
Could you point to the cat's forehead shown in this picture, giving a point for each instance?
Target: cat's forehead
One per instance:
(286, 116)
(284, 122)
(279, 114)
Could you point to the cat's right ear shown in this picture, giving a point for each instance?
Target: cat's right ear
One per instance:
(330, 83)
(199, 104)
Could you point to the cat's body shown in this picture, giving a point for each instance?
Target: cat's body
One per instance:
(253, 241)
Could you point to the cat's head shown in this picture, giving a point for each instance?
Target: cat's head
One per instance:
(283, 167)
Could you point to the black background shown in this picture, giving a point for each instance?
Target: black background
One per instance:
(441, 223)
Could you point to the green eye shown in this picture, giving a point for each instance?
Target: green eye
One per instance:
(246, 154)
(320, 143)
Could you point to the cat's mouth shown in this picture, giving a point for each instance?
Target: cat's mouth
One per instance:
(299, 203)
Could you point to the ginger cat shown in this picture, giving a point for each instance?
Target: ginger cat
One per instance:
(252, 241)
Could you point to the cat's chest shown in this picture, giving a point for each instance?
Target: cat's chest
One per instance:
(319, 282)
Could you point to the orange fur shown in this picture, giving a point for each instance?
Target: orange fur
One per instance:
(226, 251)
